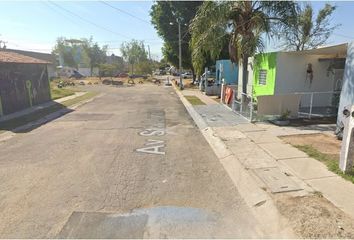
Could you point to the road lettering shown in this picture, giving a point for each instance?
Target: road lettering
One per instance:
(153, 146)
(155, 149)
(152, 132)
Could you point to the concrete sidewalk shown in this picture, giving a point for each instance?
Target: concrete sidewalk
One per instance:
(39, 107)
(273, 164)
(195, 92)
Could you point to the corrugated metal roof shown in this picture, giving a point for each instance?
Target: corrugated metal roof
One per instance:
(12, 57)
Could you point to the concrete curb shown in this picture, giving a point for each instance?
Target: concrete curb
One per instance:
(9, 134)
(261, 204)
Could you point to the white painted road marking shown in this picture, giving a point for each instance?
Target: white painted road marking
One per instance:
(152, 142)
(152, 132)
(153, 146)
(152, 149)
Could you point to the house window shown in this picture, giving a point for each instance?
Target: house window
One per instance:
(262, 78)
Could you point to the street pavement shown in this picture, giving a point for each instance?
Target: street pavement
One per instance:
(129, 164)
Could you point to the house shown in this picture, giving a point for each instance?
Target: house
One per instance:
(87, 71)
(307, 83)
(114, 59)
(226, 72)
(227, 76)
(24, 82)
(47, 57)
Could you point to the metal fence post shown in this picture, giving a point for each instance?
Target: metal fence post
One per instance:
(311, 101)
(251, 108)
(241, 105)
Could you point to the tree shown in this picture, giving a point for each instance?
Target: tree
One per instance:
(66, 52)
(209, 41)
(165, 13)
(144, 67)
(305, 31)
(80, 52)
(96, 54)
(106, 70)
(246, 22)
(133, 52)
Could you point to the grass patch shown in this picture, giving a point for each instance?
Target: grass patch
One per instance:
(60, 92)
(56, 92)
(22, 120)
(329, 160)
(73, 101)
(194, 100)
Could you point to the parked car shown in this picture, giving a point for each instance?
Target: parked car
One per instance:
(76, 75)
(211, 78)
(138, 76)
(121, 75)
(187, 75)
(160, 72)
(210, 74)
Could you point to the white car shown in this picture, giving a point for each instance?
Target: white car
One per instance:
(187, 75)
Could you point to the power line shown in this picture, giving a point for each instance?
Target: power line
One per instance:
(344, 36)
(58, 12)
(88, 21)
(127, 13)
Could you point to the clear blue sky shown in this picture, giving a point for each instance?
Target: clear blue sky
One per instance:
(36, 25)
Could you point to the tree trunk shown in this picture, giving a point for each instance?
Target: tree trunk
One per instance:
(244, 73)
(193, 77)
(132, 69)
(91, 68)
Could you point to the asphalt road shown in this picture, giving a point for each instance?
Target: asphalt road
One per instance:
(129, 164)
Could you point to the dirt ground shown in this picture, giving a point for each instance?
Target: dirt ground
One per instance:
(315, 217)
(323, 143)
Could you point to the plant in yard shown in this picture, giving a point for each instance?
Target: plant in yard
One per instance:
(285, 115)
(246, 22)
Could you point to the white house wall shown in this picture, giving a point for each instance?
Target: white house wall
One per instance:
(51, 71)
(250, 76)
(291, 77)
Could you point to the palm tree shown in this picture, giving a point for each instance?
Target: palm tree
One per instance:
(246, 22)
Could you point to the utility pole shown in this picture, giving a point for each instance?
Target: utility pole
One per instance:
(179, 52)
(149, 52)
(180, 55)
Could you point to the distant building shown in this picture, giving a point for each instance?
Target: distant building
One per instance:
(48, 57)
(23, 82)
(113, 59)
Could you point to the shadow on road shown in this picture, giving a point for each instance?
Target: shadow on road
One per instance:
(30, 121)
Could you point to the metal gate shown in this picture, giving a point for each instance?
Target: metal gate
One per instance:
(240, 103)
(243, 105)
